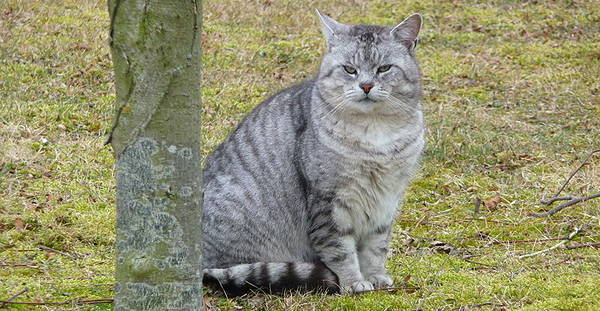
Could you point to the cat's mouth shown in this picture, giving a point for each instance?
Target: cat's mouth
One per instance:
(367, 100)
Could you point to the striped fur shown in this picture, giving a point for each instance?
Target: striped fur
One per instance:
(303, 192)
(272, 278)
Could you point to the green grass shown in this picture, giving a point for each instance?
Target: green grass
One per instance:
(512, 104)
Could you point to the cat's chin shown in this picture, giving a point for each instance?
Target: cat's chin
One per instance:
(365, 106)
(367, 100)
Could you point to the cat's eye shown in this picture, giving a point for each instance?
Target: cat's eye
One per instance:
(350, 70)
(384, 68)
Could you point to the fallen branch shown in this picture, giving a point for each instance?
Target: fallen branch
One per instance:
(569, 238)
(46, 248)
(74, 302)
(478, 305)
(558, 263)
(585, 161)
(548, 202)
(13, 297)
(484, 220)
(528, 241)
(479, 263)
(18, 265)
(570, 200)
(594, 245)
(390, 289)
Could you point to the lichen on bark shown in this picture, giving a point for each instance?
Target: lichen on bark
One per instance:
(156, 141)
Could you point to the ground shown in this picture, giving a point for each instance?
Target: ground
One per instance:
(511, 95)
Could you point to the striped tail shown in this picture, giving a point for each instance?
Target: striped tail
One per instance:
(271, 277)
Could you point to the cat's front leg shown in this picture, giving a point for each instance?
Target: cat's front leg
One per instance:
(372, 256)
(335, 246)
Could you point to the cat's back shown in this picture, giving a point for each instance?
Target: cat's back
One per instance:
(268, 131)
(253, 199)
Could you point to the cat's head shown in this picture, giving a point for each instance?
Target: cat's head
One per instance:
(370, 69)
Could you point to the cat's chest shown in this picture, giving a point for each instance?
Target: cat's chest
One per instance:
(370, 193)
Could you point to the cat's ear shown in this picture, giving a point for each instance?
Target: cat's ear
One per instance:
(330, 27)
(408, 30)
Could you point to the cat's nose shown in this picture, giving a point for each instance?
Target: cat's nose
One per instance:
(366, 87)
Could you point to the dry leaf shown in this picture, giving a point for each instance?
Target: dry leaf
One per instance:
(82, 47)
(441, 247)
(19, 224)
(208, 305)
(492, 203)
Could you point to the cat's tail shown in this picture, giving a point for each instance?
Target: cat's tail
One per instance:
(271, 277)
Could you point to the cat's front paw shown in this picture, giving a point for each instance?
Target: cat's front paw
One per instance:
(357, 287)
(380, 280)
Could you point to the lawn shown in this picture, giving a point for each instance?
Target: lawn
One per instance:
(512, 102)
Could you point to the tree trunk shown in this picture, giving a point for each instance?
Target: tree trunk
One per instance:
(155, 136)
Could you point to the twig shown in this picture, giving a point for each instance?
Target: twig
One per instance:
(75, 302)
(466, 219)
(563, 205)
(558, 263)
(14, 296)
(569, 238)
(418, 237)
(486, 220)
(105, 284)
(477, 206)
(418, 222)
(46, 248)
(479, 263)
(548, 202)
(389, 289)
(477, 305)
(12, 264)
(594, 245)
(570, 200)
(528, 241)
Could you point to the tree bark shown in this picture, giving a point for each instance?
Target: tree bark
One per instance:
(155, 47)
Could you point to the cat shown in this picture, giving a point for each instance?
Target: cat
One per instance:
(304, 191)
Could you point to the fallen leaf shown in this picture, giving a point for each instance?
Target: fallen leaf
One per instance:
(208, 305)
(492, 203)
(441, 247)
(19, 224)
(82, 47)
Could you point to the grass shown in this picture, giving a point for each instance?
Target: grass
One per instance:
(512, 104)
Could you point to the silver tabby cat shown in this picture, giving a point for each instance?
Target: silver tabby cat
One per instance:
(304, 191)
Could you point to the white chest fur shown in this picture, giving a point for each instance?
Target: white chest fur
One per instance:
(371, 196)
(377, 172)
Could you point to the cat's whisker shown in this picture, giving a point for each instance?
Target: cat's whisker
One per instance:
(332, 111)
(399, 103)
(343, 99)
(399, 106)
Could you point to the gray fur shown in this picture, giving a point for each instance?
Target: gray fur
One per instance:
(313, 177)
